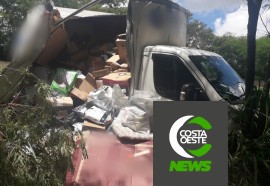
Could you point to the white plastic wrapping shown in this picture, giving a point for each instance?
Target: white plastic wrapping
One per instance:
(109, 99)
(98, 115)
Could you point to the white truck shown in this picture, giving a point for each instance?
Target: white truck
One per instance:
(160, 62)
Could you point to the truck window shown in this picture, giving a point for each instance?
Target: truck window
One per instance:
(170, 74)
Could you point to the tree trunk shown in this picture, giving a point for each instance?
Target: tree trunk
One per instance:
(253, 12)
(248, 126)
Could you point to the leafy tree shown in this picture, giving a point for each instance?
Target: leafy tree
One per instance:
(70, 3)
(12, 12)
(262, 57)
(35, 147)
(111, 6)
(233, 50)
(198, 34)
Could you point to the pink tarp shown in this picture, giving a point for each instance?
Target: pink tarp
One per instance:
(113, 163)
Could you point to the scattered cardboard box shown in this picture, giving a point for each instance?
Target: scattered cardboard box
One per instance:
(88, 84)
(99, 83)
(121, 46)
(113, 59)
(83, 90)
(121, 78)
(96, 63)
(79, 80)
(61, 102)
(121, 70)
(109, 68)
(93, 125)
(124, 66)
(100, 73)
(79, 94)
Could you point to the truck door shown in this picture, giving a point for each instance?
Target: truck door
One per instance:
(171, 77)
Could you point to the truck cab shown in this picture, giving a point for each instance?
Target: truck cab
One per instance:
(185, 74)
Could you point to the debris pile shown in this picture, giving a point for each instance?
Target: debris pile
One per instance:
(90, 89)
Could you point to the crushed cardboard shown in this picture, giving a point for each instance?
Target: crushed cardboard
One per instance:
(100, 73)
(79, 94)
(93, 125)
(61, 102)
(113, 59)
(82, 91)
(121, 78)
(121, 46)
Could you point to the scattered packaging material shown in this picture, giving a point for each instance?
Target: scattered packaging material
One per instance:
(99, 83)
(121, 46)
(136, 119)
(100, 73)
(121, 70)
(109, 99)
(88, 85)
(102, 98)
(78, 126)
(113, 59)
(79, 94)
(61, 102)
(117, 78)
(124, 66)
(64, 81)
(79, 80)
(98, 115)
(127, 133)
(120, 78)
(109, 68)
(97, 63)
(80, 110)
(93, 125)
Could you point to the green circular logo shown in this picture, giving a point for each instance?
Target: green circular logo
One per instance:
(190, 136)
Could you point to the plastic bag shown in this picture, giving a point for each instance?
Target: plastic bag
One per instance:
(102, 97)
(125, 132)
(98, 115)
(109, 99)
(141, 100)
(135, 118)
(64, 81)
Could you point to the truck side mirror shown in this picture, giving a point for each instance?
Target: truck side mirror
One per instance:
(188, 92)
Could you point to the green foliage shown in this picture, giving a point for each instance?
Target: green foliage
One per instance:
(111, 6)
(12, 12)
(70, 3)
(35, 147)
(233, 50)
(262, 57)
(249, 147)
(198, 34)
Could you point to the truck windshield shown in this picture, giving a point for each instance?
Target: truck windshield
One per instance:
(220, 75)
